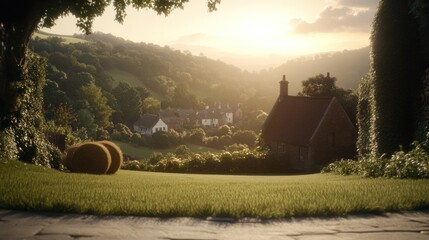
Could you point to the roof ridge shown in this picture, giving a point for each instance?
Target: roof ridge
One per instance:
(312, 97)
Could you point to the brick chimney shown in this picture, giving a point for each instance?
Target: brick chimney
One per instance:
(284, 85)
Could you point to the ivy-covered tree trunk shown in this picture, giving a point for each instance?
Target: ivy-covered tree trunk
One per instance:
(398, 64)
(21, 82)
(366, 144)
(15, 33)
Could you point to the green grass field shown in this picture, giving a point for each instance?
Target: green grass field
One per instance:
(126, 77)
(140, 152)
(68, 39)
(28, 187)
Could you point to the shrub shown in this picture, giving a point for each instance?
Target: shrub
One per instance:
(56, 157)
(245, 137)
(182, 151)
(413, 164)
(223, 130)
(197, 135)
(155, 158)
(236, 147)
(132, 165)
(8, 148)
(92, 158)
(122, 133)
(136, 138)
(162, 139)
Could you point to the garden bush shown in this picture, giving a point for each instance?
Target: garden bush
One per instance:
(132, 165)
(412, 164)
(8, 148)
(238, 162)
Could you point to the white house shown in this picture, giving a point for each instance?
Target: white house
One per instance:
(208, 118)
(229, 117)
(149, 124)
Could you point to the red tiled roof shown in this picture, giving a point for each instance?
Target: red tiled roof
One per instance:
(294, 119)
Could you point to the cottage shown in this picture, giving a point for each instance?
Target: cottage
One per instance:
(208, 118)
(171, 118)
(149, 124)
(308, 132)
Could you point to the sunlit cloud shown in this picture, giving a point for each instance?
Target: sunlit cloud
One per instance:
(344, 16)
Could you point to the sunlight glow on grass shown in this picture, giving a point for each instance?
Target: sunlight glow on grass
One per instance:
(28, 187)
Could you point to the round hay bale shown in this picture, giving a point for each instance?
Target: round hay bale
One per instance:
(92, 158)
(69, 156)
(115, 154)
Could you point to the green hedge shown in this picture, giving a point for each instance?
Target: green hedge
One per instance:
(242, 161)
(412, 164)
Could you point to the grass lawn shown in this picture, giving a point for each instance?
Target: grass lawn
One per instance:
(68, 39)
(119, 76)
(28, 187)
(140, 152)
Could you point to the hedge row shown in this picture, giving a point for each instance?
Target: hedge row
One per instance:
(413, 164)
(237, 162)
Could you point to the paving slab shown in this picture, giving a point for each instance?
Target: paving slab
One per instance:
(46, 226)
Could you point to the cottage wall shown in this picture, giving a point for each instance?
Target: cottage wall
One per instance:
(159, 126)
(334, 139)
(295, 156)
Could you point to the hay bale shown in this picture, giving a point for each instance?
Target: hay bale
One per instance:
(115, 154)
(92, 158)
(69, 156)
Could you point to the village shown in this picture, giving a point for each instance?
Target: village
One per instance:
(210, 117)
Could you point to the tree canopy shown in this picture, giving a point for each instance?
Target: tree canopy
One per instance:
(324, 86)
(20, 18)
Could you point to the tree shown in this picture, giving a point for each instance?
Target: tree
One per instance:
(20, 18)
(319, 86)
(324, 86)
(97, 104)
(151, 105)
(182, 98)
(397, 70)
(129, 101)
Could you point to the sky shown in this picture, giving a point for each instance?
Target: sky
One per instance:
(251, 34)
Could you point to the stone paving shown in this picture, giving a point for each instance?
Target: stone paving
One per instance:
(33, 225)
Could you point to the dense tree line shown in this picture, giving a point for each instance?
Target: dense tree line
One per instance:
(391, 107)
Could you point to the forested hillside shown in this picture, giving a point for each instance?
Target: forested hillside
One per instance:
(348, 66)
(106, 79)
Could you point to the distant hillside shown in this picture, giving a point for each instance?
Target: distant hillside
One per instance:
(348, 66)
(67, 39)
(160, 70)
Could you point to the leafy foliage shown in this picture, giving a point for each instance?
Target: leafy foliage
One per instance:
(398, 66)
(412, 164)
(325, 86)
(366, 118)
(24, 140)
(239, 161)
